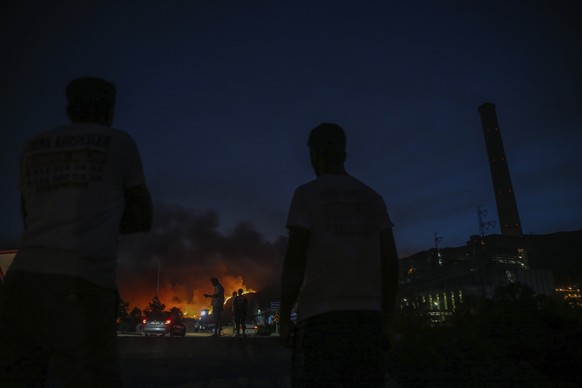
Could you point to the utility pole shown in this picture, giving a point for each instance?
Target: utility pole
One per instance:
(158, 285)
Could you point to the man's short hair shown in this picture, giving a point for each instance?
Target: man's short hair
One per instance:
(327, 136)
(92, 91)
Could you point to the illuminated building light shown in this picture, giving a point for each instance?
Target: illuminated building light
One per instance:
(570, 295)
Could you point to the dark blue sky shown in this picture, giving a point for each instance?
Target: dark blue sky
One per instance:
(220, 96)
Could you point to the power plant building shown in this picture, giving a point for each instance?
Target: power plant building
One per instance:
(435, 283)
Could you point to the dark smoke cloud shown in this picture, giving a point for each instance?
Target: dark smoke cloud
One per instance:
(189, 249)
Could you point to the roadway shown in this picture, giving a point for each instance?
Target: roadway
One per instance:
(198, 360)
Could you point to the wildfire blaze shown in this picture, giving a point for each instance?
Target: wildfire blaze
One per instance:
(184, 250)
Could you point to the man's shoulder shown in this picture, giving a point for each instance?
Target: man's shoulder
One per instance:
(307, 185)
(364, 186)
(80, 129)
(336, 182)
(54, 131)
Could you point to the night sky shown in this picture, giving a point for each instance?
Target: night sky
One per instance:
(220, 97)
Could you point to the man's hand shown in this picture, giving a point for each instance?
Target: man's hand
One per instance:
(387, 333)
(389, 285)
(287, 333)
(292, 279)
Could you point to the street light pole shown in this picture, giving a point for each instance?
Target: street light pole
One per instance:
(158, 285)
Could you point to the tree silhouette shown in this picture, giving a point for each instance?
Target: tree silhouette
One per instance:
(155, 307)
(123, 311)
(526, 339)
(123, 316)
(135, 317)
(176, 312)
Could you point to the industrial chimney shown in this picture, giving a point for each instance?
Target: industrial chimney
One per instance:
(504, 196)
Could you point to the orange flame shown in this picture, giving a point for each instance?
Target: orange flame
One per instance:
(176, 295)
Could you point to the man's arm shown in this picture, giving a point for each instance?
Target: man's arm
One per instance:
(138, 213)
(216, 294)
(292, 277)
(389, 276)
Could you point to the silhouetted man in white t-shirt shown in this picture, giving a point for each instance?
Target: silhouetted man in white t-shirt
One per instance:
(340, 273)
(217, 305)
(82, 185)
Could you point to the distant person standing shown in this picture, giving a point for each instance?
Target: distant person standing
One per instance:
(240, 313)
(81, 185)
(233, 297)
(340, 234)
(217, 305)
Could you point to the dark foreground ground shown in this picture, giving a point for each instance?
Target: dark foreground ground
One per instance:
(198, 360)
(202, 361)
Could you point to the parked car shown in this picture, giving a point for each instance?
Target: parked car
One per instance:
(264, 330)
(163, 324)
(251, 328)
(205, 323)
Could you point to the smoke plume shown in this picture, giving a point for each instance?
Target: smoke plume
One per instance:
(187, 248)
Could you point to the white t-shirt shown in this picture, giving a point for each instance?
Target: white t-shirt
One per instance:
(72, 182)
(343, 269)
(218, 301)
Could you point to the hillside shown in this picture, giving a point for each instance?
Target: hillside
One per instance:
(559, 252)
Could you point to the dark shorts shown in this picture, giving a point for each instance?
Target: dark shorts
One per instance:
(62, 319)
(240, 318)
(342, 348)
(217, 314)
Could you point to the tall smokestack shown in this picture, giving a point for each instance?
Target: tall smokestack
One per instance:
(504, 195)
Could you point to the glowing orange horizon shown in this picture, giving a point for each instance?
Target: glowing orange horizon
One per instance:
(174, 296)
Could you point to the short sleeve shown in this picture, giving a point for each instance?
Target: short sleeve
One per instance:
(299, 214)
(385, 221)
(134, 175)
